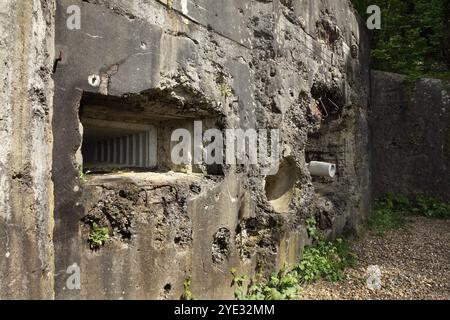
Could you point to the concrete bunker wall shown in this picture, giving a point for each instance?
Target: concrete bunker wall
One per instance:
(240, 64)
(148, 215)
(410, 123)
(26, 189)
(173, 66)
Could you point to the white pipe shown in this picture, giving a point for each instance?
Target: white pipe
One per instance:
(322, 169)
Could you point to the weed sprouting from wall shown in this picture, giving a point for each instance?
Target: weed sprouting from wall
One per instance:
(187, 293)
(97, 236)
(324, 260)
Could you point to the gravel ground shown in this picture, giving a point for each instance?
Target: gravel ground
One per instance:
(414, 263)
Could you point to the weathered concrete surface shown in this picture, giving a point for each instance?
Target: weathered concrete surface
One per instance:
(151, 235)
(298, 66)
(244, 64)
(26, 191)
(410, 136)
(277, 59)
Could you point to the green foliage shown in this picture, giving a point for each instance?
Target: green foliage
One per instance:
(282, 285)
(311, 228)
(82, 175)
(414, 38)
(431, 208)
(225, 90)
(97, 236)
(170, 4)
(324, 260)
(392, 209)
(187, 294)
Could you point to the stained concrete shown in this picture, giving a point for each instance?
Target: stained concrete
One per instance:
(410, 135)
(268, 56)
(244, 64)
(26, 189)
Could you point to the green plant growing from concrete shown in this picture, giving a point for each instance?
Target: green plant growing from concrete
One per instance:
(238, 281)
(97, 236)
(324, 260)
(225, 90)
(311, 228)
(187, 293)
(170, 4)
(82, 175)
(281, 285)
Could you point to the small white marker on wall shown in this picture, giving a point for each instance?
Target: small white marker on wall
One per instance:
(184, 10)
(94, 80)
(184, 7)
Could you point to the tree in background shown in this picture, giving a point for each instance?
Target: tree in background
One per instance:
(446, 40)
(414, 38)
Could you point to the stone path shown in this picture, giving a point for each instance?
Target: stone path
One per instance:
(414, 263)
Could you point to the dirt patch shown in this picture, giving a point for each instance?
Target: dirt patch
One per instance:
(414, 263)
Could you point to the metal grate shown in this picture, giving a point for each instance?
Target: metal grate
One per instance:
(128, 150)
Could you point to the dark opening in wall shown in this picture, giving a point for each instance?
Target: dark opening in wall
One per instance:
(111, 144)
(221, 245)
(280, 187)
(167, 288)
(327, 143)
(113, 138)
(134, 133)
(329, 101)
